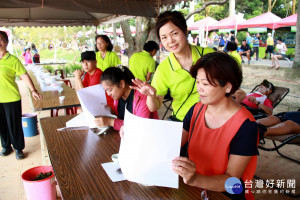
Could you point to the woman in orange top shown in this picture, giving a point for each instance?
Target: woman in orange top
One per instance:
(222, 135)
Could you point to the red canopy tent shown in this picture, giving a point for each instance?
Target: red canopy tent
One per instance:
(203, 23)
(265, 20)
(288, 21)
(227, 23)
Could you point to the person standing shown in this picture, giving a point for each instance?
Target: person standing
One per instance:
(215, 39)
(255, 43)
(11, 131)
(27, 55)
(142, 64)
(248, 39)
(105, 56)
(221, 41)
(36, 56)
(196, 40)
(227, 39)
(232, 37)
(174, 72)
(270, 46)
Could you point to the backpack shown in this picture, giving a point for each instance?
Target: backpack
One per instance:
(36, 58)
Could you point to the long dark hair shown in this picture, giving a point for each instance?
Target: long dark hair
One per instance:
(116, 74)
(107, 40)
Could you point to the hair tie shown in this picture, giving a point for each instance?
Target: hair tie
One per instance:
(121, 67)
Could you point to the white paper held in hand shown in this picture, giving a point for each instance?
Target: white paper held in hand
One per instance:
(93, 103)
(147, 150)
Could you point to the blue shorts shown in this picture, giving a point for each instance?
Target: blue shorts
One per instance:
(293, 116)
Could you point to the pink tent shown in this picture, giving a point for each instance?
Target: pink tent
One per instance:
(204, 23)
(288, 21)
(265, 20)
(227, 23)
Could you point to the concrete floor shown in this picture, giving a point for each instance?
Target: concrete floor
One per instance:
(11, 186)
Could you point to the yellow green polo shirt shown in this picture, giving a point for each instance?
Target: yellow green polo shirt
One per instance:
(170, 75)
(140, 64)
(236, 56)
(10, 67)
(270, 41)
(111, 59)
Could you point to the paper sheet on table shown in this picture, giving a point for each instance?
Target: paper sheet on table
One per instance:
(111, 170)
(50, 88)
(147, 150)
(93, 103)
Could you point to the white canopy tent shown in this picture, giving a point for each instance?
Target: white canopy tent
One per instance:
(75, 12)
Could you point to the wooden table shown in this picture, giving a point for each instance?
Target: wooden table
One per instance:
(51, 98)
(77, 155)
(51, 101)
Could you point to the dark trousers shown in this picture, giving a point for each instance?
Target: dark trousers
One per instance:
(256, 50)
(11, 131)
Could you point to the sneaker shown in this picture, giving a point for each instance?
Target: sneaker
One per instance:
(19, 154)
(6, 151)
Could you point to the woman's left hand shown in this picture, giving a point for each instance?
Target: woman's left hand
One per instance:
(185, 168)
(104, 121)
(36, 95)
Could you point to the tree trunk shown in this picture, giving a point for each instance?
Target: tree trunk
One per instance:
(115, 34)
(231, 8)
(294, 7)
(270, 5)
(139, 40)
(296, 64)
(136, 43)
(128, 38)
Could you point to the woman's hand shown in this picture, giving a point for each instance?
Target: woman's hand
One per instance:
(143, 87)
(104, 121)
(36, 95)
(185, 168)
(78, 73)
(252, 99)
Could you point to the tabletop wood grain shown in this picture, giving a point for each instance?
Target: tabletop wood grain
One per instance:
(51, 98)
(77, 155)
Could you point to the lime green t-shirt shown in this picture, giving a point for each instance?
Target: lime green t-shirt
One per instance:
(140, 64)
(270, 41)
(236, 56)
(170, 75)
(111, 59)
(10, 67)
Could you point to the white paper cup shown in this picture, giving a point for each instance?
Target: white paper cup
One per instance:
(115, 158)
(61, 98)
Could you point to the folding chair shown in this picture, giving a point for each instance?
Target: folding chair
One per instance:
(167, 99)
(69, 111)
(283, 139)
(276, 97)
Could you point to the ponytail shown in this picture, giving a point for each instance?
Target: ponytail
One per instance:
(116, 74)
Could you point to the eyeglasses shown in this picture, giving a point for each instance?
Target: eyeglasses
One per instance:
(204, 195)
